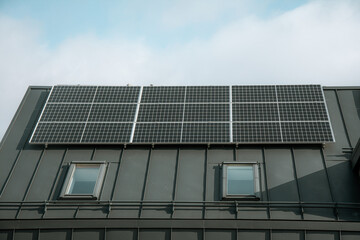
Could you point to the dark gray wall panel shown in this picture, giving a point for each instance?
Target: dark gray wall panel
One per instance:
(26, 235)
(220, 213)
(79, 154)
(252, 213)
(281, 179)
(31, 212)
(60, 212)
(57, 234)
(109, 181)
(350, 235)
(220, 234)
(91, 212)
(287, 235)
(160, 181)
(334, 150)
(5, 235)
(254, 235)
(107, 154)
(88, 234)
(188, 234)
(20, 130)
(322, 235)
(151, 234)
(350, 106)
(16, 188)
(46, 174)
(281, 182)
(130, 181)
(190, 182)
(161, 175)
(118, 234)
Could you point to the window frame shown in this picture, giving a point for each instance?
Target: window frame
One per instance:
(224, 181)
(69, 178)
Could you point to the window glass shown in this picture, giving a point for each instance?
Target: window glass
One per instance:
(84, 179)
(240, 180)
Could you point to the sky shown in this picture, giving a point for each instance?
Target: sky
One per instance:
(178, 42)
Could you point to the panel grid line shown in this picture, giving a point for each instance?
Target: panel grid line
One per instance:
(231, 114)
(136, 116)
(278, 109)
(183, 116)
(82, 135)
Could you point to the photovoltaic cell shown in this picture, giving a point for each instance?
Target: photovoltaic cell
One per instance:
(112, 113)
(163, 95)
(207, 94)
(58, 133)
(306, 132)
(255, 112)
(299, 93)
(253, 94)
(73, 94)
(66, 113)
(157, 132)
(303, 112)
(256, 132)
(160, 113)
(205, 132)
(107, 94)
(107, 133)
(206, 112)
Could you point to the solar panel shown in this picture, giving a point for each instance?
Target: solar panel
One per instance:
(66, 113)
(205, 133)
(256, 132)
(73, 94)
(299, 93)
(112, 113)
(206, 112)
(253, 94)
(107, 94)
(107, 133)
(179, 114)
(58, 133)
(306, 132)
(160, 113)
(303, 111)
(255, 112)
(207, 94)
(163, 95)
(157, 133)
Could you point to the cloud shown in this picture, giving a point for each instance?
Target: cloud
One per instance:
(314, 43)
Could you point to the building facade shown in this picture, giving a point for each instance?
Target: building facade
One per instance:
(178, 190)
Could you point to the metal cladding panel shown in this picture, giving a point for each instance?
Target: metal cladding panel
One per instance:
(151, 234)
(188, 234)
(350, 106)
(45, 178)
(116, 234)
(220, 234)
(17, 185)
(58, 234)
(131, 177)
(322, 235)
(26, 234)
(161, 176)
(88, 234)
(165, 114)
(254, 234)
(286, 235)
(6, 235)
(190, 178)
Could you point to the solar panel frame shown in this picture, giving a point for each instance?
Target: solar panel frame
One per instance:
(247, 114)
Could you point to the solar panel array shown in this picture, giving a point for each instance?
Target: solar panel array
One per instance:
(184, 114)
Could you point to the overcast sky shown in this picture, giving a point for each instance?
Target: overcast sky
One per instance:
(180, 42)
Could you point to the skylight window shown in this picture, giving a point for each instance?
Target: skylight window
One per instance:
(84, 180)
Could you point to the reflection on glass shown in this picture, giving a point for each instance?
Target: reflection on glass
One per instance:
(240, 180)
(84, 179)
